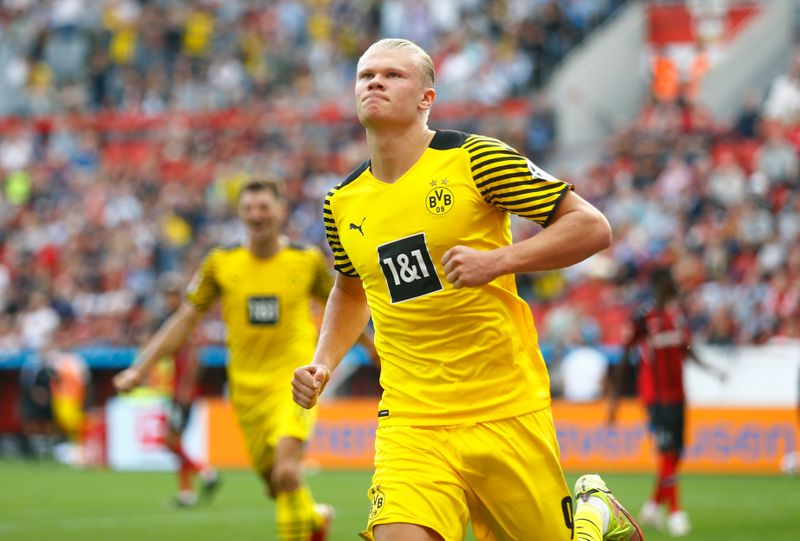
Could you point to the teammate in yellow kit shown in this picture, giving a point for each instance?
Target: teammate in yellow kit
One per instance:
(266, 287)
(421, 238)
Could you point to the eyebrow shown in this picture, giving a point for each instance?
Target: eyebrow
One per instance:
(359, 71)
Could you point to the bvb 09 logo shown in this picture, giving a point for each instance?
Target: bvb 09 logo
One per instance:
(378, 500)
(439, 200)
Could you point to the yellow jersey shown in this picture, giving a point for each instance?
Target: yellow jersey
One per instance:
(266, 307)
(448, 356)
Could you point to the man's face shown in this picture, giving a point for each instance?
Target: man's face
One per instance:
(389, 88)
(262, 214)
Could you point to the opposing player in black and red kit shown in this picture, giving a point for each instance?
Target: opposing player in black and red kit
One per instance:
(663, 339)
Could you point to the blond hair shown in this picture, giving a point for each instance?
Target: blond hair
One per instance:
(421, 58)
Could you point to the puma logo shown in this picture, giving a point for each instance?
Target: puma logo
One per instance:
(358, 227)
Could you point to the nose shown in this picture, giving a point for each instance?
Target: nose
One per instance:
(375, 83)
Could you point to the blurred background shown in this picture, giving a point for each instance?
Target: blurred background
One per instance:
(127, 126)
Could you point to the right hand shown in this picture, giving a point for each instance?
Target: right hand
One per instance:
(127, 380)
(308, 383)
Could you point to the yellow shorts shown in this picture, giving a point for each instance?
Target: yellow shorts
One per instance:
(69, 415)
(267, 416)
(504, 475)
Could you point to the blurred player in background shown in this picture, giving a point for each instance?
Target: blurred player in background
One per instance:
(185, 389)
(663, 340)
(266, 288)
(70, 385)
(36, 406)
(176, 373)
(421, 239)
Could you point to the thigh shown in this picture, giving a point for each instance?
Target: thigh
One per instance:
(415, 483)
(516, 486)
(178, 417)
(254, 432)
(668, 423)
(674, 424)
(266, 417)
(291, 421)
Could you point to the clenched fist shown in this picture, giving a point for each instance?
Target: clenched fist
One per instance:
(308, 383)
(468, 267)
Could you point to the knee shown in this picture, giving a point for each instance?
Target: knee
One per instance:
(172, 440)
(171, 444)
(285, 477)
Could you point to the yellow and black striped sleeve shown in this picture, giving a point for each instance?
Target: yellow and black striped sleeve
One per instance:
(204, 289)
(512, 183)
(341, 262)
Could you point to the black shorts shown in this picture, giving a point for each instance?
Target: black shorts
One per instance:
(667, 422)
(178, 417)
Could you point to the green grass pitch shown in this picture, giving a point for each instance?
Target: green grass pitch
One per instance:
(49, 502)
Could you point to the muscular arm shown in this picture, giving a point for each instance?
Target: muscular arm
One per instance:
(365, 339)
(346, 315)
(576, 231)
(166, 341)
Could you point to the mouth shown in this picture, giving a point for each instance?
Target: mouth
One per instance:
(373, 97)
(257, 226)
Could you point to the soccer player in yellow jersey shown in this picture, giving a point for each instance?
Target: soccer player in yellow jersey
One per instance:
(266, 289)
(421, 239)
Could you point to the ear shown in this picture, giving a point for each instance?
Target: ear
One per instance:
(428, 97)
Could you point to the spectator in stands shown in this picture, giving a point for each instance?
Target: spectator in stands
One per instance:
(721, 329)
(583, 368)
(783, 100)
(10, 340)
(665, 77)
(698, 68)
(748, 119)
(727, 182)
(38, 321)
(777, 159)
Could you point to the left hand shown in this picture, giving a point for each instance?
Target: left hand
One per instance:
(467, 267)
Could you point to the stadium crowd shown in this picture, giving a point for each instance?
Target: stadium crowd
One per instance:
(166, 55)
(716, 199)
(127, 130)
